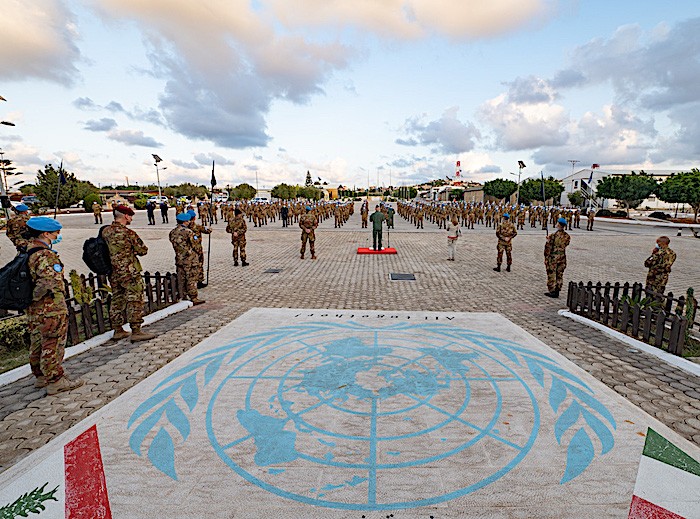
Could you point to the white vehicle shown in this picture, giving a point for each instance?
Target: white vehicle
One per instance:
(220, 197)
(260, 199)
(155, 199)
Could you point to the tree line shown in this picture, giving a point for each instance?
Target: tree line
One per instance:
(630, 190)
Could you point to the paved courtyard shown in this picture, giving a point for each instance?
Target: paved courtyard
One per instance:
(340, 279)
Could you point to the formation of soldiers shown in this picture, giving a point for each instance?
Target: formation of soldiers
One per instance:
(47, 315)
(489, 214)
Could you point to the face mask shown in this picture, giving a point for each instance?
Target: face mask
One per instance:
(58, 239)
(657, 246)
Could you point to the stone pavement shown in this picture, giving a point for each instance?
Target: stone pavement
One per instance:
(341, 279)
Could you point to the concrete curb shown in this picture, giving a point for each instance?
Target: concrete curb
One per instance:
(15, 374)
(679, 362)
(648, 223)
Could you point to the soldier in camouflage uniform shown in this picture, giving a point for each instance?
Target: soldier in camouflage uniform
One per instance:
(237, 227)
(659, 265)
(125, 280)
(47, 315)
(199, 231)
(17, 227)
(97, 212)
(505, 233)
(555, 258)
(308, 224)
(186, 260)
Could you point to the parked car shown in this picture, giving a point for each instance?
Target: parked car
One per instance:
(29, 200)
(155, 199)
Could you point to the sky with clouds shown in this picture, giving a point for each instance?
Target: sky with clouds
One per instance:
(388, 91)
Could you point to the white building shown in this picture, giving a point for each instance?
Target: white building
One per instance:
(586, 181)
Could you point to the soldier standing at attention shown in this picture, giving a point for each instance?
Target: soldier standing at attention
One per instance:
(364, 214)
(555, 258)
(237, 227)
(308, 224)
(659, 265)
(97, 212)
(591, 217)
(186, 261)
(199, 231)
(47, 315)
(505, 233)
(17, 226)
(125, 280)
(377, 220)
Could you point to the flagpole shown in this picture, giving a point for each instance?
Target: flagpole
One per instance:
(58, 189)
(211, 203)
(544, 203)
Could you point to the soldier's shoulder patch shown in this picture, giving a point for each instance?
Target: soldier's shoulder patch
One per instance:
(58, 267)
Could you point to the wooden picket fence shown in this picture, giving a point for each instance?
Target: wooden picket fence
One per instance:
(654, 318)
(88, 304)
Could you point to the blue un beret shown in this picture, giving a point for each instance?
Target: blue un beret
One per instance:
(44, 224)
(506, 215)
(21, 208)
(183, 217)
(192, 213)
(562, 221)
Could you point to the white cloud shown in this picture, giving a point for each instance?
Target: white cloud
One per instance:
(414, 18)
(103, 125)
(220, 87)
(42, 35)
(520, 126)
(446, 134)
(134, 138)
(205, 159)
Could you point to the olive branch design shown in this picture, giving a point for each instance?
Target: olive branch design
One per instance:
(29, 503)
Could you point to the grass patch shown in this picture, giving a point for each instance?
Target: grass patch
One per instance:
(13, 359)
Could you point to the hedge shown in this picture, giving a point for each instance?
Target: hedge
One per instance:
(14, 334)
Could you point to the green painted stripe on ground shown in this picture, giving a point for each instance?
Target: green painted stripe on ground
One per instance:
(659, 448)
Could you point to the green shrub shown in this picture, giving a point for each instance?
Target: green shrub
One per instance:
(606, 213)
(14, 334)
(140, 202)
(89, 200)
(660, 215)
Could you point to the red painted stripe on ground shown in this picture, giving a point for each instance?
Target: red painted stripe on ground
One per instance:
(86, 488)
(643, 509)
(365, 250)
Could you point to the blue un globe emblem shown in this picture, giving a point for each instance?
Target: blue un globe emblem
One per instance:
(351, 416)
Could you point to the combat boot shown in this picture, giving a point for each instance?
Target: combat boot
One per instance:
(63, 384)
(40, 382)
(235, 263)
(244, 263)
(201, 285)
(507, 268)
(497, 268)
(119, 334)
(196, 301)
(554, 294)
(137, 335)
(302, 256)
(313, 256)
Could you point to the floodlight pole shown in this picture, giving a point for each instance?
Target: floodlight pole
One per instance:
(158, 179)
(3, 192)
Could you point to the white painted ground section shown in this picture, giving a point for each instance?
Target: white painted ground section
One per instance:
(668, 487)
(24, 371)
(471, 421)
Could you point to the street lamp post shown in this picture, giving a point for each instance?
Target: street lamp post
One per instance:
(157, 160)
(521, 165)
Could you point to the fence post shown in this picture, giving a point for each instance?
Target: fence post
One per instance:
(175, 295)
(625, 317)
(669, 302)
(660, 329)
(616, 291)
(598, 300)
(159, 289)
(73, 335)
(674, 336)
(99, 315)
(149, 290)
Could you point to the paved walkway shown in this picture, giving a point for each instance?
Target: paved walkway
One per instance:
(341, 279)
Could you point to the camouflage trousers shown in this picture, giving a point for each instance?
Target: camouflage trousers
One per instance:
(47, 321)
(312, 242)
(187, 276)
(239, 248)
(200, 267)
(508, 247)
(657, 282)
(127, 302)
(555, 272)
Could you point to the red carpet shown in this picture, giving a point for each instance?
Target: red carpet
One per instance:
(365, 250)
